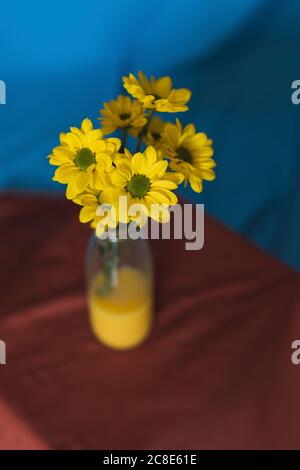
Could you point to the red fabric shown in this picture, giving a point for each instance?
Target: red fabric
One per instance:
(215, 373)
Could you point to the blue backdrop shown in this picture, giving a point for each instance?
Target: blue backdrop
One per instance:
(60, 60)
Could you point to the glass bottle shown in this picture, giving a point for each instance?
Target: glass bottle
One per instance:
(120, 291)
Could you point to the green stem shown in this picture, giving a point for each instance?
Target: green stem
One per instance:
(125, 134)
(143, 132)
(110, 258)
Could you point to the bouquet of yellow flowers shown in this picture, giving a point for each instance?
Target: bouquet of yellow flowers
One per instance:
(122, 182)
(98, 169)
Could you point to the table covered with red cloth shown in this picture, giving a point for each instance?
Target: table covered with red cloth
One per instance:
(215, 373)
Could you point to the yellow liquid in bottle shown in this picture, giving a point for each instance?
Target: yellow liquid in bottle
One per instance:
(121, 319)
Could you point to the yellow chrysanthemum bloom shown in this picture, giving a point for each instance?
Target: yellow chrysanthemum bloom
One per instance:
(89, 213)
(143, 180)
(190, 153)
(154, 131)
(157, 93)
(81, 158)
(90, 200)
(91, 203)
(122, 113)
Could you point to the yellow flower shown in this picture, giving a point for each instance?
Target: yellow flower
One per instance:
(90, 200)
(190, 153)
(122, 113)
(154, 131)
(142, 180)
(157, 93)
(82, 157)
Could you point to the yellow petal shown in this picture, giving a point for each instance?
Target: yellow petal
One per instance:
(65, 173)
(71, 190)
(158, 212)
(163, 184)
(119, 178)
(86, 125)
(99, 180)
(196, 183)
(104, 161)
(125, 166)
(208, 174)
(63, 152)
(78, 184)
(77, 131)
(157, 170)
(151, 155)
(99, 146)
(176, 178)
(148, 101)
(62, 136)
(139, 163)
(180, 96)
(91, 138)
(82, 180)
(158, 197)
(87, 214)
(172, 198)
(116, 142)
(144, 82)
(171, 135)
(86, 199)
(163, 86)
(73, 140)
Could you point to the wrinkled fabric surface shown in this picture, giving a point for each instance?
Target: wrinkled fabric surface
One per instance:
(215, 373)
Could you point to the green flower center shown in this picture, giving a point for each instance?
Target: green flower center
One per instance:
(84, 158)
(124, 116)
(184, 154)
(138, 186)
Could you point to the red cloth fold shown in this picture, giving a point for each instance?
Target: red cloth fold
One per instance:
(215, 373)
